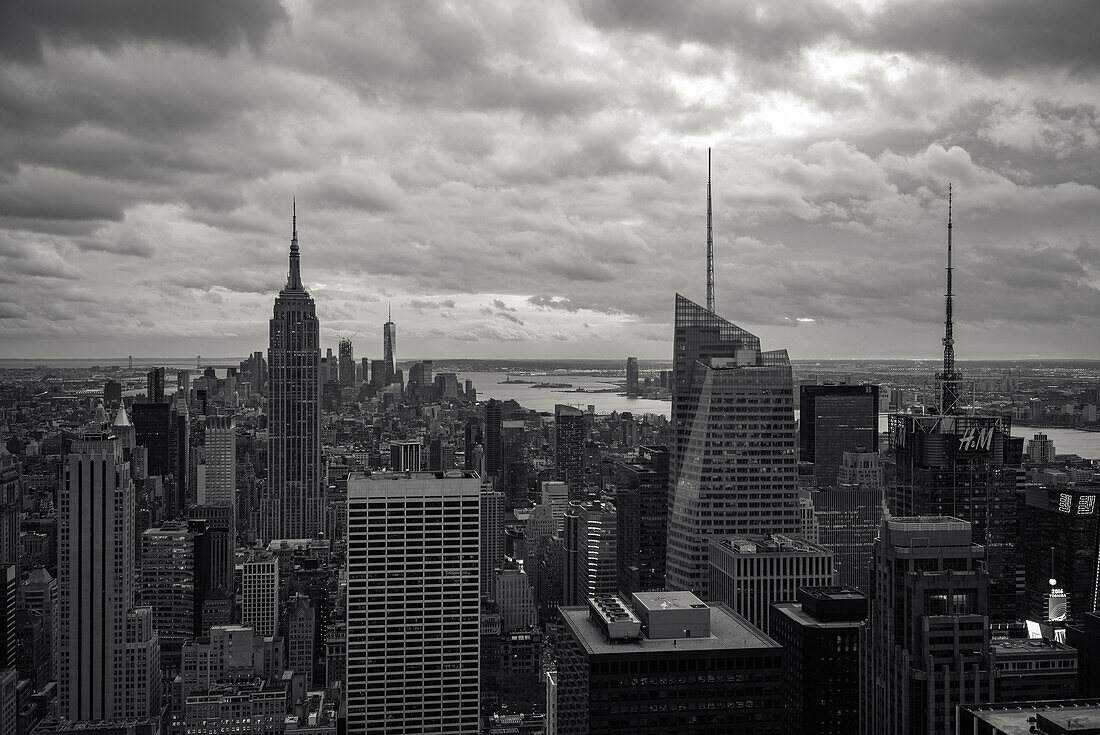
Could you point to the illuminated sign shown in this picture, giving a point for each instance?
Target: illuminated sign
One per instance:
(1085, 506)
(976, 439)
(1057, 604)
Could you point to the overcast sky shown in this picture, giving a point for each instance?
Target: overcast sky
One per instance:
(528, 179)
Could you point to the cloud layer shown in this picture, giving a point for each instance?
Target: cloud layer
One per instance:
(529, 180)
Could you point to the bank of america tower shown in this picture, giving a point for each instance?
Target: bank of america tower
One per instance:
(734, 466)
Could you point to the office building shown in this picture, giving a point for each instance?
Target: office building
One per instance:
(301, 631)
(749, 573)
(632, 377)
(154, 385)
(108, 653)
(834, 419)
(494, 439)
(1060, 540)
(515, 599)
(154, 429)
(216, 483)
(848, 519)
(1060, 717)
(378, 374)
(112, 394)
(260, 594)
(183, 383)
(926, 644)
(734, 468)
(820, 633)
(347, 363)
(218, 545)
(413, 637)
(38, 596)
(168, 583)
(1029, 669)
(963, 466)
(862, 469)
(296, 504)
(252, 707)
(1040, 450)
(492, 538)
(10, 499)
(641, 506)
(664, 662)
(591, 551)
(389, 350)
(555, 495)
(9, 592)
(569, 436)
(405, 455)
(1084, 635)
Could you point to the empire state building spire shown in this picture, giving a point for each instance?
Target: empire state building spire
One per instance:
(294, 277)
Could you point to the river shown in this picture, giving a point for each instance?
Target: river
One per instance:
(489, 385)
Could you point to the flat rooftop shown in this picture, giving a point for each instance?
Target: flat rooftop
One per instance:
(673, 600)
(1013, 718)
(794, 611)
(728, 630)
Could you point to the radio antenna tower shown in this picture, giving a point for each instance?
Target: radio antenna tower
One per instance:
(710, 246)
(949, 378)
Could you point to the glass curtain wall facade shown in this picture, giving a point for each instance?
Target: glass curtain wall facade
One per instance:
(735, 467)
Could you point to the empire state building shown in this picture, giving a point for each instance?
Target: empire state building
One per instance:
(296, 503)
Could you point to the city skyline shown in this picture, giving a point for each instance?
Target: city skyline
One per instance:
(533, 185)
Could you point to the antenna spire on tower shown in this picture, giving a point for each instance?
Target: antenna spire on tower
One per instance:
(949, 378)
(294, 277)
(710, 245)
(389, 311)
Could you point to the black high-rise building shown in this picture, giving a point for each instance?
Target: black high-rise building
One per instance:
(153, 429)
(1061, 533)
(963, 466)
(9, 586)
(347, 363)
(820, 634)
(112, 393)
(472, 437)
(494, 444)
(641, 504)
(569, 433)
(664, 662)
(834, 419)
(927, 644)
(154, 385)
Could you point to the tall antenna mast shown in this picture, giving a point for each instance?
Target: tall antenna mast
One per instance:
(710, 246)
(949, 378)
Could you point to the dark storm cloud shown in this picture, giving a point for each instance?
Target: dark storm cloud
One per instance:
(995, 36)
(765, 31)
(26, 26)
(545, 162)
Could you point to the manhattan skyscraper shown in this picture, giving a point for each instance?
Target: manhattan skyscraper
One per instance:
(296, 502)
(734, 463)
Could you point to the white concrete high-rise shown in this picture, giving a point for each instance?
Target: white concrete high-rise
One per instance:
(295, 504)
(108, 654)
(413, 633)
